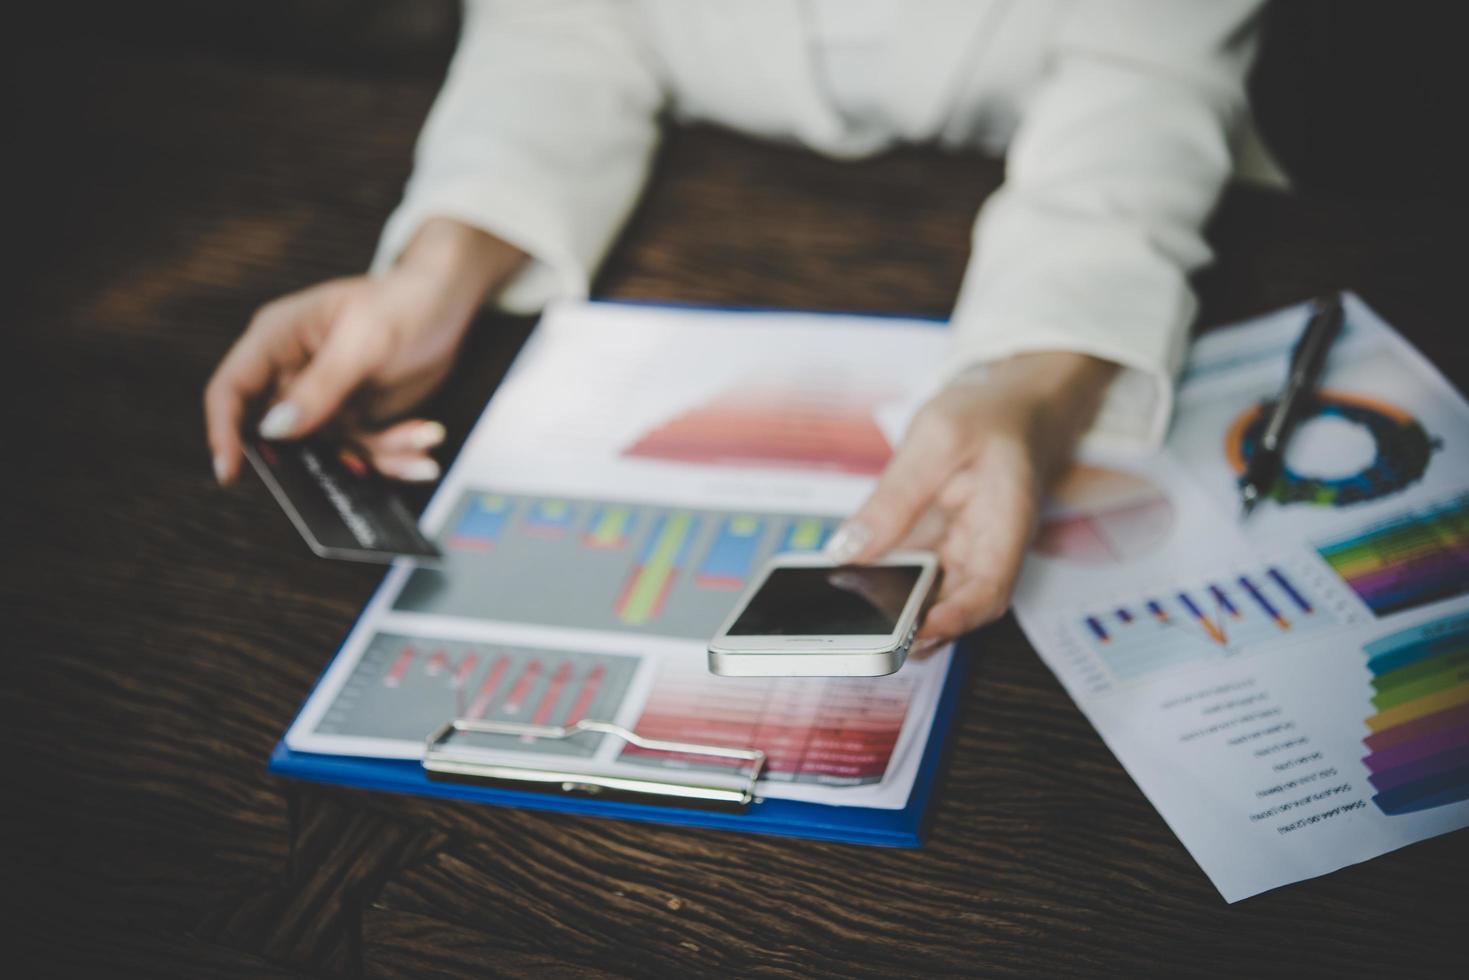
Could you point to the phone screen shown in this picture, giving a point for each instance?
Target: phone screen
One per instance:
(848, 600)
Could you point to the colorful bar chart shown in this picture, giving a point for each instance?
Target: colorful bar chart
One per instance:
(1270, 610)
(1418, 749)
(604, 565)
(405, 687)
(652, 578)
(830, 731)
(480, 522)
(731, 558)
(1286, 586)
(1208, 620)
(1407, 561)
(610, 527)
(806, 534)
(1214, 631)
(549, 518)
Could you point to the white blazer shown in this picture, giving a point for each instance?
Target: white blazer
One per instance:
(1115, 116)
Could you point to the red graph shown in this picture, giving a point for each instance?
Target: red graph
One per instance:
(812, 730)
(756, 425)
(487, 688)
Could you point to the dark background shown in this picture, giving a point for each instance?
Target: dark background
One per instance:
(173, 165)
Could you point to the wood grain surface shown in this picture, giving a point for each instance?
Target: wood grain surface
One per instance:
(162, 633)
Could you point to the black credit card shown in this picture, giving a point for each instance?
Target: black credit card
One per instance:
(341, 506)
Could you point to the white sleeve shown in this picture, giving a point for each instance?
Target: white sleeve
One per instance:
(542, 136)
(1119, 157)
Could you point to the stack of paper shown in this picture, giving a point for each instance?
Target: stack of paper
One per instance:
(1292, 692)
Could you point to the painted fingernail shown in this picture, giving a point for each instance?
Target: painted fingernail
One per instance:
(848, 541)
(221, 467)
(427, 436)
(417, 470)
(279, 421)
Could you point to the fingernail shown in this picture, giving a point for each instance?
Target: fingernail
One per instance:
(847, 543)
(279, 421)
(417, 470)
(924, 647)
(427, 436)
(221, 467)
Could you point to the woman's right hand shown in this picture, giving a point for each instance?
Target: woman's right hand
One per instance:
(359, 351)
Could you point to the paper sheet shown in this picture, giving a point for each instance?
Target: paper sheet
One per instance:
(635, 468)
(1292, 693)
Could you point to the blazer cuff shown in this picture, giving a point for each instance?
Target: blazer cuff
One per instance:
(1135, 411)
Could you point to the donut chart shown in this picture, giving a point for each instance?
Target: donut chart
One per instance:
(1402, 448)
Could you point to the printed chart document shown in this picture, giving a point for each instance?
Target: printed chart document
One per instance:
(638, 465)
(1292, 692)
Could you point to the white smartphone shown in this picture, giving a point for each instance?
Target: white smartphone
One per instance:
(804, 616)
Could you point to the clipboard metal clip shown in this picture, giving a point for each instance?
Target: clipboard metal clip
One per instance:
(441, 762)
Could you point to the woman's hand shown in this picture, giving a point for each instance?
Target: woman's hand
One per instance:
(968, 479)
(359, 351)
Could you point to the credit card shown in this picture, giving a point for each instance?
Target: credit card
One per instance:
(342, 507)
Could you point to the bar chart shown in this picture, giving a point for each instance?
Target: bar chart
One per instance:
(732, 554)
(404, 687)
(1418, 749)
(1415, 558)
(481, 520)
(1208, 619)
(603, 565)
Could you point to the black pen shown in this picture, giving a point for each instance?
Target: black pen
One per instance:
(1306, 362)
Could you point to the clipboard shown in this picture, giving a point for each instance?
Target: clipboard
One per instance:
(655, 800)
(663, 801)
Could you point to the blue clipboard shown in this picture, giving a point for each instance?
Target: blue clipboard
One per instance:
(789, 818)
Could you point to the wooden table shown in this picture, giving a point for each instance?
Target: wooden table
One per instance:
(162, 633)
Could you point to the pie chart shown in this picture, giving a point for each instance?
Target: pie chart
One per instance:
(1099, 516)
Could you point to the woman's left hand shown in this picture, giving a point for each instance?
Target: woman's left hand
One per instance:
(968, 480)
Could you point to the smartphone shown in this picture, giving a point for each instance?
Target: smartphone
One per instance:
(805, 616)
